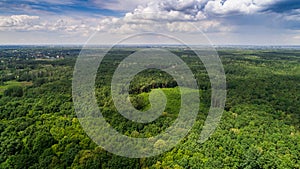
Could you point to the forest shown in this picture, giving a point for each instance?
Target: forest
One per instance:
(259, 127)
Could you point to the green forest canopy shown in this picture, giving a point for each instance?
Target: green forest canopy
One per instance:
(259, 128)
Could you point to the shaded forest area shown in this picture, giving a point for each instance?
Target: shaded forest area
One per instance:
(259, 127)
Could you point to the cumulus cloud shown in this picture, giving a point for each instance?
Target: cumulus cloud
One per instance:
(170, 10)
(222, 7)
(17, 21)
(188, 16)
(205, 26)
(188, 9)
(49, 24)
(174, 16)
(202, 13)
(171, 15)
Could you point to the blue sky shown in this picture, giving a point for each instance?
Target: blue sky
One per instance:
(240, 22)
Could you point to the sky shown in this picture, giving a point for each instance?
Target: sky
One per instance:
(222, 22)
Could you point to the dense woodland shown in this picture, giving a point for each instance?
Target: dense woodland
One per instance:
(259, 127)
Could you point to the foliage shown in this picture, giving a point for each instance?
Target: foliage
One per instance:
(259, 127)
(14, 91)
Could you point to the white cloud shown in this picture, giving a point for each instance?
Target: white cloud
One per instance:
(17, 21)
(171, 15)
(222, 7)
(194, 27)
(183, 16)
(293, 16)
(171, 10)
(67, 25)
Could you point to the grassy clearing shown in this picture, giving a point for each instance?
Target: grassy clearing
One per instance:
(173, 98)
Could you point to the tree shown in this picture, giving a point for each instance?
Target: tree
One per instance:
(14, 91)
